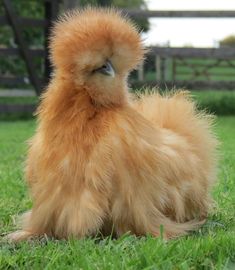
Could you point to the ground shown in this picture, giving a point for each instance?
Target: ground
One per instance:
(212, 247)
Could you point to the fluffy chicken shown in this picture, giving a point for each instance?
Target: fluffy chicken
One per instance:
(103, 162)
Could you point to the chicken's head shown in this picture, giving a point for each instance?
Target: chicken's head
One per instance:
(96, 49)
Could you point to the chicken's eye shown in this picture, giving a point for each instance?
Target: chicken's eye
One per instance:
(106, 69)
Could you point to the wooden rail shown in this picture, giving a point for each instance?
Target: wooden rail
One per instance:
(16, 51)
(17, 108)
(180, 14)
(24, 22)
(161, 55)
(169, 61)
(221, 53)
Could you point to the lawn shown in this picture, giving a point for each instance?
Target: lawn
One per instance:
(213, 247)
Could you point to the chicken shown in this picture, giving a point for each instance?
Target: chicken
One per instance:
(104, 162)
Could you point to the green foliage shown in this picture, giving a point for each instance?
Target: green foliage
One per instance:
(19, 100)
(216, 102)
(229, 41)
(7, 116)
(29, 9)
(212, 247)
(34, 37)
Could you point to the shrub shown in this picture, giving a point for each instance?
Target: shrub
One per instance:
(216, 102)
(229, 41)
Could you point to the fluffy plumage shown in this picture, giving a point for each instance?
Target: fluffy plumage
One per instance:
(101, 161)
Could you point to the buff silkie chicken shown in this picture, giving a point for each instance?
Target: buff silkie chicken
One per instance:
(103, 162)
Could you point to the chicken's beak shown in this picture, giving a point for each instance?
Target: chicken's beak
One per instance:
(107, 69)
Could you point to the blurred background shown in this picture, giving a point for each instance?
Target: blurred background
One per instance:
(191, 46)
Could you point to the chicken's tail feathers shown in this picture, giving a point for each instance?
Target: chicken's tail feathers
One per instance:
(171, 229)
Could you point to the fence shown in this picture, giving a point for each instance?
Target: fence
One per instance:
(194, 68)
(173, 66)
(18, 24)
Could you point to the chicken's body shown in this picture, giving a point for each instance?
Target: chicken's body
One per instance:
(102, 162)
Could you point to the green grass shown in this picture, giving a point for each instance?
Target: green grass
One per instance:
(212, 247)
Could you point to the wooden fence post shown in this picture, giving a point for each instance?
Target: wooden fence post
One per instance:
(141, 72)
(163, 69)
(158, 68)
(174, 66)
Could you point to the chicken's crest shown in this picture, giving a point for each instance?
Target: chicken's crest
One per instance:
(96, 48)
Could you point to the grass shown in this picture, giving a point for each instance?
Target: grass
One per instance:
(212, 247)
